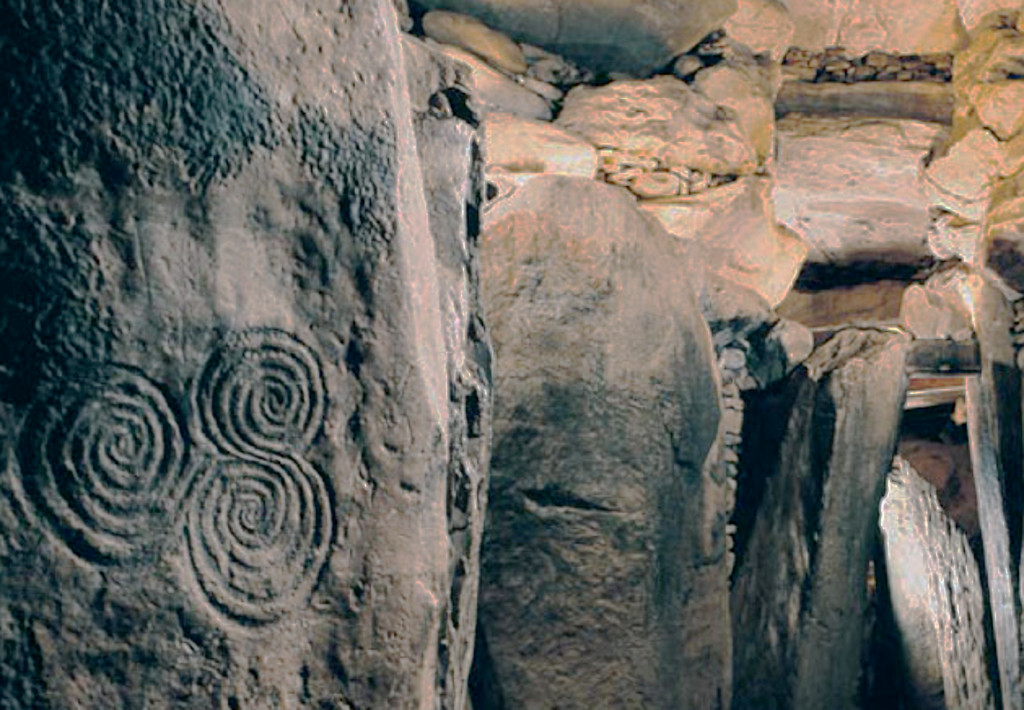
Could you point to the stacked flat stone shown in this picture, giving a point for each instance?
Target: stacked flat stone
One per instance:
(837, 64)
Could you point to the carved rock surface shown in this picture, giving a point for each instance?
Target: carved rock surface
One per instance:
(936, 595)
(635, 36)
(851, 188)
(244, 386)
(811, 479)
(595, 592)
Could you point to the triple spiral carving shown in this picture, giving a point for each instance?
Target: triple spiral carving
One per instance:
(104, 462)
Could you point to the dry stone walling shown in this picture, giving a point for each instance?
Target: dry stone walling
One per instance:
(244, 381)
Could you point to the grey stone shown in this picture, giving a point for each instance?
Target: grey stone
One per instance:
(936, 595)
(245, 420)
(596, 593)
(799, 590)
(635, 36)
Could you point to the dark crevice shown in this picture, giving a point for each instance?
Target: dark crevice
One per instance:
(551, 496)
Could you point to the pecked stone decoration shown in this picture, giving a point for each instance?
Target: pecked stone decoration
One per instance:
(244, 379)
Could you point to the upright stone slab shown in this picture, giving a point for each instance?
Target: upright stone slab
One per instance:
(595, 592)
(243, 384)
(937, 598)
(819, 460)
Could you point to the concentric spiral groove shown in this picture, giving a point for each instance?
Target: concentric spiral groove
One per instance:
(261, 392)
(102, 462)
(258, 535)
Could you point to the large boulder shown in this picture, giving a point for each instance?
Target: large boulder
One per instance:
(814, 461)
(851, 188)
(243, 383)
(635, 36)
(596, 592)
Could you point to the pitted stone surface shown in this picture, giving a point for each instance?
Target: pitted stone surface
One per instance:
(244, 381)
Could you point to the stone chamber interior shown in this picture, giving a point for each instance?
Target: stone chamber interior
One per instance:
(512, 354)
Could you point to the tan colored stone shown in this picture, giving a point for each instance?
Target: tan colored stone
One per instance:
(652, 185)
(893, 26)
(940, 308)
(1000, 106)
(663, 118)
(731, 230)
(954, 237)
(972, 11)
(1003, 245)
(762, 25)
(473, 35)
(742, 89)
(960, 180)
(496, 92)
(635, 36)
(520, 145)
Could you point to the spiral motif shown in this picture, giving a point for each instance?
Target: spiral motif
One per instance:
(102, 463)
(258, 534)
(261, 392)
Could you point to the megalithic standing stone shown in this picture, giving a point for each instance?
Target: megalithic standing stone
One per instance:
(799, 594)
(242, 437)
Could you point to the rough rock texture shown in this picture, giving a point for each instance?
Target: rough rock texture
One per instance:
(745, 92)
(813, 470)
(661, 118)
(940, 307)
(520, 145)
(936, 595)
(244, 418)
(850, 187)
(993, 403)
(596, 592)
(452, 170)
(635, 36)
(1003, 243)
(888, 25)
(732, 231)
(762, 25)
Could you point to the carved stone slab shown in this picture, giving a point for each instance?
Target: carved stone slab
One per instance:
(244, 383)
